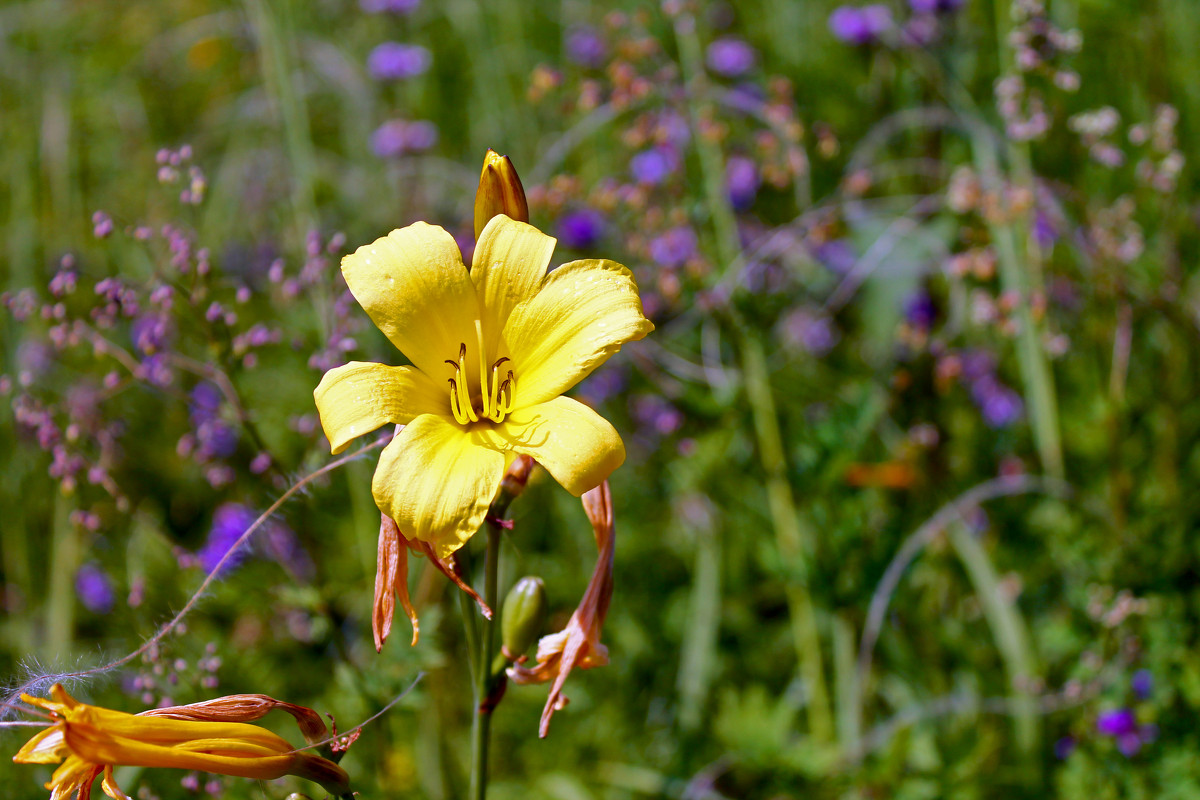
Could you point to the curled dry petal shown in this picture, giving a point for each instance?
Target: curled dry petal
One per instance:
(578, 644)
(391, 580)
(245, 708)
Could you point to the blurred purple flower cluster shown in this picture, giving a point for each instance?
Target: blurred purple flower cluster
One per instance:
(860, 25)
(399, 137)
(394, 61)
(95, 347)
(389, 6)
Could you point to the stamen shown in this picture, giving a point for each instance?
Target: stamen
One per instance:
(511, 383)
(464, 393)
(494, 396)
(455, 408)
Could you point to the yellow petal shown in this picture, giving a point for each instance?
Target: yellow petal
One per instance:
(73, 779)
(223, 756)
(508, 266)
(574, 443)
(110, 787)
(361, 396)
(99, 723)
(46, 747)
(436, 480)
(414, 287)
(581, 315)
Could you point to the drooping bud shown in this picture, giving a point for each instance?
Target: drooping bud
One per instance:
(523, 616)
(500, 192)
(517, 476)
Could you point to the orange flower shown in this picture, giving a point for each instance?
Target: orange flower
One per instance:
(210, 737)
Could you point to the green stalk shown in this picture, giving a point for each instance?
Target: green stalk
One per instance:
(697, 663)
(482, 721)
(1019, 270)
(790, 536)
(273, 32)
(1009, 631)
(60, 604)
(789, 532)
(481, 643)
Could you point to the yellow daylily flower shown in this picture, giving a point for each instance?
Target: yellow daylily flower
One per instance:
(493, 349)
(89, 740)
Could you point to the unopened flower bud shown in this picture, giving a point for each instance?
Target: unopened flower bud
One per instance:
(517, 476)
(500, 192)
(523, 616)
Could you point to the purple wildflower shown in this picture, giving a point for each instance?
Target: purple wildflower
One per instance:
(860, 26)
(581, 229)
(150, 333)
(156, 370)
(1116, 722)
(935, 6)
(920, 310)
(838, 255)
(393, 61)
(1142, 683)
(1129, 744)
(1064, 747)
(731, 57)
(809, 331)
(1000, 405)
(741, 181)
(675, 247)
(602, 385)
(94, 589)
(399, 137)
(653, 166)
(1044, 231)
(230, 521)
(205, 404)
(656, 414)
(586, 47)
(389, 6)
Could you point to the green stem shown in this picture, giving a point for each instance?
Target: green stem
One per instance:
(790, 535)
(482, 646)
(1009, 630)
(482, 721)
(1020, 273)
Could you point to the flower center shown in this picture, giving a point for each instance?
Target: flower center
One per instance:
(496, 388)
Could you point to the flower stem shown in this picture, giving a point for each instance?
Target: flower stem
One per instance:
(483, 647)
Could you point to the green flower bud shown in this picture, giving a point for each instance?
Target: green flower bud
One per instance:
(523, 616)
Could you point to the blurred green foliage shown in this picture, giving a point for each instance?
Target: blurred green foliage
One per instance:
(776, 474)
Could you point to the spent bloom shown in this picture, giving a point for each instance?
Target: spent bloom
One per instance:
(492, 350)
(578, 644)
(211, 737)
